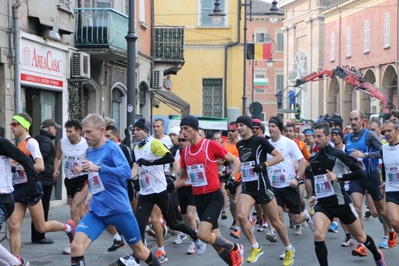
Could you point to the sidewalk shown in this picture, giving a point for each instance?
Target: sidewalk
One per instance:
(38, 254)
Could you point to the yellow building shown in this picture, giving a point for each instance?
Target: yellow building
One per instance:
(211, 79)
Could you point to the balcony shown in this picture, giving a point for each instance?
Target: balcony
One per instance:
(169, 49)
(101, 33)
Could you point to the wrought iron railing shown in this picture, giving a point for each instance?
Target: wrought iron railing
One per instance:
(100, 28)
(169, 43)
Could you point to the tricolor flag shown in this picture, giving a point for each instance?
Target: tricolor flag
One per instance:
(259, 51)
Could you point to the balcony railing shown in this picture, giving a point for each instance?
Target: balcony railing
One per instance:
(100, 28)
(169, 44)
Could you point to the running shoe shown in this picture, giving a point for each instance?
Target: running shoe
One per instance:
(164, 226)
(282, 256)
(71, 233)
(392, 240)
(180, 238)
(271, 236)
(260, 228)
(253, 222)
(191, 248)
(161, 256)
(298, 229)
(128, 260)
(67, 250)
(367, 214)
(348, 242)
(289, 257)
(333, 227)
(381, 262)
(223, 215)
(265, 224)
(384, 242)
(200, 246)
(117, 244)
(233, 225)
(309, 221)
(359, 251)
(150, 230)
(254, 254)
(236, 255)
(24, 262)
(236, 233)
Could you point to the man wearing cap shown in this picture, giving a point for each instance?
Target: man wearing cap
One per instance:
(28, 194)
(48, 130)
(365, 145)
(256, 187)
(150, 156)
(199, 163)
(71, 151)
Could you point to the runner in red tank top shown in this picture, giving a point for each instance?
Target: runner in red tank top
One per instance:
(199, 163)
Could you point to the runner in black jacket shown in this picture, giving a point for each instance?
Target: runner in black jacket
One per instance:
(329, 167)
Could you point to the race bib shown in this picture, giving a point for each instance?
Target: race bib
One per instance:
(17, 176)
(95, 183)
(144, 179)
(392, 180)
(278, 178)
(247, 171)
(323, 186)
(197, 175)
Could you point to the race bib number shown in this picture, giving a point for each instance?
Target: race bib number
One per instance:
(278, 178)
(17, 176)
(197, 175)
(323, 186)
(95, 183)
(392, 180)
(247, 171)
(144, 179)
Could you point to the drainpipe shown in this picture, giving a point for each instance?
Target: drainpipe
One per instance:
(17, 52)
(226, 48)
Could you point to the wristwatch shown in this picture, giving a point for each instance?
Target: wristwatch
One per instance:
(366, 154)
(298, 178)
(99, 167)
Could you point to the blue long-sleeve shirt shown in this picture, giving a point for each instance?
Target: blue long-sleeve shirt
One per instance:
(113, 174)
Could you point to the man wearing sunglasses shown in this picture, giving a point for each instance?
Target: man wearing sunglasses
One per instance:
(27, 194)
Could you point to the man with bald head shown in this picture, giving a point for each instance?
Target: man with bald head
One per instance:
(364, 145)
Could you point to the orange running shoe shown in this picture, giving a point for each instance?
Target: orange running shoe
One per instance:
(359, 251)
(392, 240)
(236, 255)
(236, 233)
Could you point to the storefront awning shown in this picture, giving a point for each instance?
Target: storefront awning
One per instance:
(174, 101)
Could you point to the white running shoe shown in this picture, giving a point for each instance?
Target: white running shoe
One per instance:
(201, 246)
(191, 248)
(128, 260)
(67, 250)
(179, 238)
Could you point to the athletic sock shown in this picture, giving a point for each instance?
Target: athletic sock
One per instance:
(370, 245)
(117, 237)
(321, 252)
(78, 261)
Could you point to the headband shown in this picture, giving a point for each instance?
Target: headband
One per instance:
(308, 132)
(277, 123)
(232, 127)
(22, 121)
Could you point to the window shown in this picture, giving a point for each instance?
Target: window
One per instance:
(366, 36)
(142, 10)
(332, 47)
(103, 3)
(279, 82)
(212, 97)
(117, 97)
(262, 37)
(280, 42)
(348, 41)
(387, 36)
(207, 7)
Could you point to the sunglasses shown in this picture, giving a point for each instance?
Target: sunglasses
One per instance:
(232, 130)
(255, 128)
(182, 140)
(14, 124)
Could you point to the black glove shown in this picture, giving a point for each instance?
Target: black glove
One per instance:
(144, 162)
(259, 168)
(33, 192)
(226, 163)
(170, 187)
(224, 177)
(136, 185)
(170, 179)
(230, 186)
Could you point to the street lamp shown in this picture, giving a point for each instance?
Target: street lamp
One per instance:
(274, 13)
(217, 16)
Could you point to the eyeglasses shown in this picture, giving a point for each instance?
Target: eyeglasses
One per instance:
(14, 124)
(255, 128)
(182, 140)
(232, 130)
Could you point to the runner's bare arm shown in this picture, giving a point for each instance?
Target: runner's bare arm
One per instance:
(277, 157)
